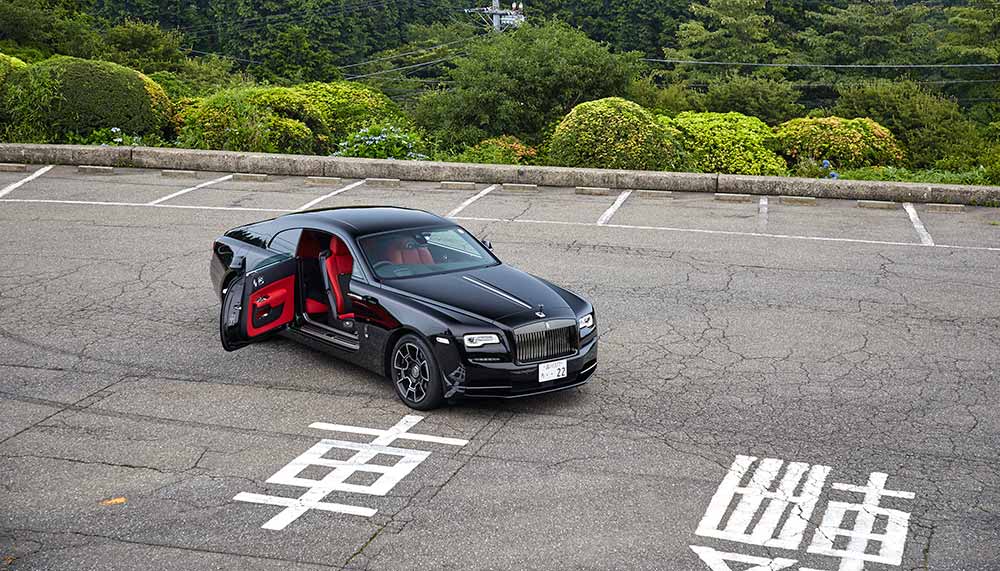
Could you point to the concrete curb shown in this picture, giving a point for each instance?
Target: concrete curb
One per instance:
(350, 168)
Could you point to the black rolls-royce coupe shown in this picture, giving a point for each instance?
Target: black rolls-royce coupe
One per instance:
(407, 294)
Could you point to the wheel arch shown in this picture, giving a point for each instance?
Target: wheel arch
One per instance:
(390, 344)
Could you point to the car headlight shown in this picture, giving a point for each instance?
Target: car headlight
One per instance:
(479, 339)
(587, 321)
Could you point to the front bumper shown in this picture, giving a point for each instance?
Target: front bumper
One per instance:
(512, 380)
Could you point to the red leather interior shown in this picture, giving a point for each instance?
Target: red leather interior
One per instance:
(339, 263)
(314, 306)
(398, 253)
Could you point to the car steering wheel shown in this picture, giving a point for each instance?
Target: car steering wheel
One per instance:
(381, 263)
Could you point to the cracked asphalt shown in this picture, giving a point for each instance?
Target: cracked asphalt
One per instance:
(824, 335)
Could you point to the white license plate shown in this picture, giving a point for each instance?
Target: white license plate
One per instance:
(551, 371)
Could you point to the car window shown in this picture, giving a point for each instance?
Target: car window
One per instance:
(286, 241)
(424, 251)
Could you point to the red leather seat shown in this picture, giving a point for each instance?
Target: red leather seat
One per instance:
(406, 251)
(340, 263)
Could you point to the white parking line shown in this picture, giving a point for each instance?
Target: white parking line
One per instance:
(925, 236)
(187, 190)
(614, 207)
(143, 204)
(316, 201)
(733, 233)
(529, 221)
(14, 186)
(469, 201)
(762, 214)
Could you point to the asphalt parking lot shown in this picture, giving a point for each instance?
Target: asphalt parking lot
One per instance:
(748, 350)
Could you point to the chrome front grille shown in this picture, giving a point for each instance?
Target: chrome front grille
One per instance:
(538, 342)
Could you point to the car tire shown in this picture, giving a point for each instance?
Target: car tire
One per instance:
(414, 374)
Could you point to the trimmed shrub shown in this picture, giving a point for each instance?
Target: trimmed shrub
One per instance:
(931, 128)
(847, 143)
(257, 119)
(382, 142)
(346, 107)
(48, 101)
(504, 150)
(611, 133)
(729, 143)
(9, 64)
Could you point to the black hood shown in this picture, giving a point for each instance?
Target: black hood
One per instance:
(498, 293)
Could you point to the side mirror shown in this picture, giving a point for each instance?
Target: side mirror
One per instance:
(488, 244)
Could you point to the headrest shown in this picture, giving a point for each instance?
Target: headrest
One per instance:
(337, 246)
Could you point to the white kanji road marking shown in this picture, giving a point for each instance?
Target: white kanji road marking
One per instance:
(336, 479)
(751, 497)
(861, 534)
(717, 560)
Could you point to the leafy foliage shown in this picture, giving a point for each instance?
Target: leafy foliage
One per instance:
(308, 118)
(974, 176)
(383, 141)
(770, 100)
(272, 119)
(611, 133)
(503, 150)
(669, 100)
(729, 143)
(7, 65)
(520, 81)
(931, 128)
(847, 143)
(47, 101)
(345, 107)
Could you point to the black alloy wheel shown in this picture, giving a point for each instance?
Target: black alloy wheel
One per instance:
(415, 375)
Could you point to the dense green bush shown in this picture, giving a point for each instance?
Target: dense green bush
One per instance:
(611, 133)
(978, 176)
(769, 100)
(847, 143)
(48, 101)
(669, 100)
(306, 119)
(383, 141)
(932, 128)
(518, 82)
(503, 150)
(259, 119)
(7, 65)
(729, 143)
(345, 107)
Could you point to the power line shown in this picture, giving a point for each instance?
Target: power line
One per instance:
(224, 56)
(427, 49)
(412, 66)
(829, 65)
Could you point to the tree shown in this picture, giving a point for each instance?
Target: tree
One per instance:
(931, 127)
(726, 30)
(520, 82)
(772, 101)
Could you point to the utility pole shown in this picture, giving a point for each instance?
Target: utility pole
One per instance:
(500, 18)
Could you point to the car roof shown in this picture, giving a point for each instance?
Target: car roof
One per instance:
(362, 220)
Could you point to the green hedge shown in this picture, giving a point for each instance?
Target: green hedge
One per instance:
(9, 64)
(303, 119)
(612, 133)
(728, 143)
(49, 101)
(847, 143)
(503, 150)
(346, 107)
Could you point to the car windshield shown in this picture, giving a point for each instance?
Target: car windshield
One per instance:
(424, 251)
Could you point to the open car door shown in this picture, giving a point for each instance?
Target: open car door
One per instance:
(258, 302)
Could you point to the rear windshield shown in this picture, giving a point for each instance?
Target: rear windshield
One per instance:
(424, 251)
